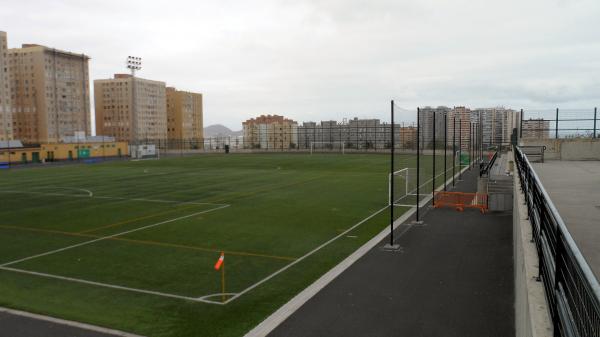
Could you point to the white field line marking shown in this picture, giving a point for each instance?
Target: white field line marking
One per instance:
(160, 200)
(108, 285)
(110, 236)
(64, 322)
(109, 197)
(300, 259)
(89, 193)
(215, 295)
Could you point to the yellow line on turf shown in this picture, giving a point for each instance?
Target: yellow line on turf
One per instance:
(152, 243)
(164, 244)
(49, 231)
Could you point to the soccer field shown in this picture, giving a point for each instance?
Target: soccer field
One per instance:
(132, 245)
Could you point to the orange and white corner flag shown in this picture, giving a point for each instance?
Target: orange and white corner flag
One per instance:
(220, 261)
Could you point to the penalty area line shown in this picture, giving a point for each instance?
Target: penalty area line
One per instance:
(112, 286)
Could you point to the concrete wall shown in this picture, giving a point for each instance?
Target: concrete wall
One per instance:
(532, 318)
(567, 149)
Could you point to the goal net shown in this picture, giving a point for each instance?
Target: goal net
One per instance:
(144, 152)
(327, 147)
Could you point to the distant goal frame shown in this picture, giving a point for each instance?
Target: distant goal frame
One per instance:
(342, 146)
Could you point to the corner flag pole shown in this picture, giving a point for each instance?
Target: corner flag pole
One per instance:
(220, 265)
(223, 280)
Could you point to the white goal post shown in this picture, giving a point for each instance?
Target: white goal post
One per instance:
(327, 146)
(405, 185)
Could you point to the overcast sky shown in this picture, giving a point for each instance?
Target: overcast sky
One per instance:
(330, 59)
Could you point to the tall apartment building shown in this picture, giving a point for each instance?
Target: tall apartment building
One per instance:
(49, 93)
(497, 125)
(131, 109)
(461, 117)
(184, 115)
(426, 119)
(355, 134)
(270, 132)
(536, 129)
(6, 126)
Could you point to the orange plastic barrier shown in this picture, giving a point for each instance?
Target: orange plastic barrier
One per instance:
(461, 200)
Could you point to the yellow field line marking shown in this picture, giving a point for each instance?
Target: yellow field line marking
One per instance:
(153, 243)
(49, 231)
(286, 258)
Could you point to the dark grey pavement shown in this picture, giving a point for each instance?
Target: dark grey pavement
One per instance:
(454, 277)
(12, 325)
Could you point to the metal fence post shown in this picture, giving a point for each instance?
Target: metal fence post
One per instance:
(595, 119)
(454, 148)
(445, 148)
(521, 125)
(418, 163)
(460, 148)
(392, 178)
(556, 126)
(433, 170)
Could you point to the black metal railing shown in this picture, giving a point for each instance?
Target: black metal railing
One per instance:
(572, 290)
(485, 170)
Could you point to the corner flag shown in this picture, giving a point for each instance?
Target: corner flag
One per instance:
(220, 261)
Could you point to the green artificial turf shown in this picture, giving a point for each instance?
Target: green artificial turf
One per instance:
(263, 210)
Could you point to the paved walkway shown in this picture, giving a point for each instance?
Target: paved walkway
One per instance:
(454, 277)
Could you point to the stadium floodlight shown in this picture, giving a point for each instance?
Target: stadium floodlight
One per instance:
(134, 63)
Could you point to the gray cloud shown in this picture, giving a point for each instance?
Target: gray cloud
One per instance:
(329, 59)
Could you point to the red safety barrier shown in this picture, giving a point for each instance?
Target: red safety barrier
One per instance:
(461, 200)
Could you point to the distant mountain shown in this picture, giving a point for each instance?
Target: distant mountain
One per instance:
(219, 130)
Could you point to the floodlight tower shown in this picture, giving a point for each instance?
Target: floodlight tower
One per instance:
(133, 63)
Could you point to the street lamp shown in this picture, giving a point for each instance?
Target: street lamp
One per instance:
(133, 63)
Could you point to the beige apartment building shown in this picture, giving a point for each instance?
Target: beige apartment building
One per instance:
(6, 126)
(131, 109)
(184, 116)
(463, 117)
(49, 91)
(535, 129)
(270, 132)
